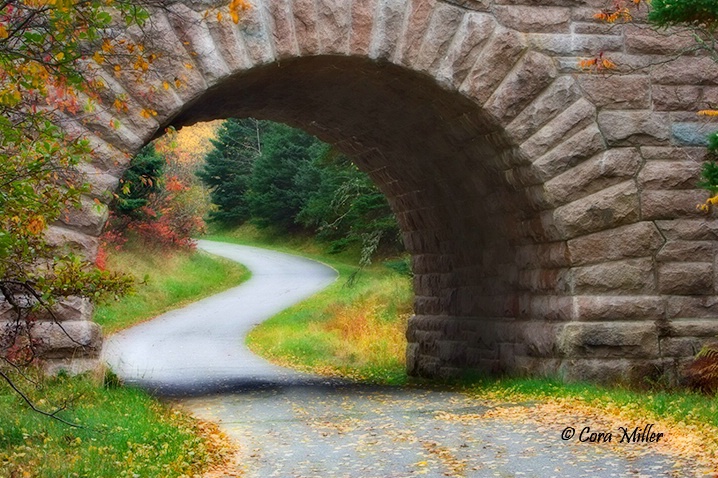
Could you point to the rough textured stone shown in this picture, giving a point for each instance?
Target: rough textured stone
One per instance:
(672, 98)
(73, 338)
(616, 307)
(689, 229)
(673, 153)
(686, 71)
(645, 39)
(669, 175)
(438, 38)
(573, 118)
(493, 64)
(283, 37)
(632, 276)
(68, 309)
(419, 16)
(671, 204)
(574, 44)
(692, 133)
(195, 32)
(686, 278)
(605, 169)
(89, 219)
(475, 30)
(74, 241)
(305, 26)
(387, 28)
(569, 153)
(334, 18)
(534, 19)
(533, 73)
(636, 240)
(609, 340)
(362, 23)
(619, 92)
(560, 95)
(612, 207)
(102, 184)
(634, 127)
(687, 251)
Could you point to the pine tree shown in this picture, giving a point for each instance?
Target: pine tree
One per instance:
(277, 194)
(228, 167)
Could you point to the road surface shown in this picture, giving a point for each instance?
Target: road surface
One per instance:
(295, 425)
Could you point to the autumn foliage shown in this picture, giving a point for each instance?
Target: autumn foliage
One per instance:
(161, 203)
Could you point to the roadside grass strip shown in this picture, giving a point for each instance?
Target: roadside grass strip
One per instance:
(125, 433)
(166, 281)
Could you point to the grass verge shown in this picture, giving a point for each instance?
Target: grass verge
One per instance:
(166, 281)
(355, 330)
(125, 433)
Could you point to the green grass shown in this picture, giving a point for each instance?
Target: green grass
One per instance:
(677, 405)
(355, 331)
(125, 433)
(165, 281)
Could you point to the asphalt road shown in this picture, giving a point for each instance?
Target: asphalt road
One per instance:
(294, 425)
(199, 349)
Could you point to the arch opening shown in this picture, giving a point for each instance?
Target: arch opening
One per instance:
(441, 161)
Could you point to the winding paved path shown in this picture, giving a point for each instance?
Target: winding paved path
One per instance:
(295, 425)
(199, 349)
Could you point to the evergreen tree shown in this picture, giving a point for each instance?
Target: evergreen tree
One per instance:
(228, 168)
(277, 192)
(347, 207)
(140, 181)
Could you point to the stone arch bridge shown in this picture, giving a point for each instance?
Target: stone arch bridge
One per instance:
(550, 213)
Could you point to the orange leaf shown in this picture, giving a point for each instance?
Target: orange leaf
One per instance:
(608, 64)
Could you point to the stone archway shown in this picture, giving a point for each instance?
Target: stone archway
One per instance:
(550, 214)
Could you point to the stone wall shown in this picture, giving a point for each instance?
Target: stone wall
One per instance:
(550, 212)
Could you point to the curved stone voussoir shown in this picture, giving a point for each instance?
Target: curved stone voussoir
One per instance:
(438, 37)
(472, 35)
(417, 21)
(175, 63)
(90, 218)
(532, 75)
(72, 240)
(387, 28)
(281, 18)
(334, 26)
(493, 64)
(193, 31)
(256, 29)
(559, 96)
